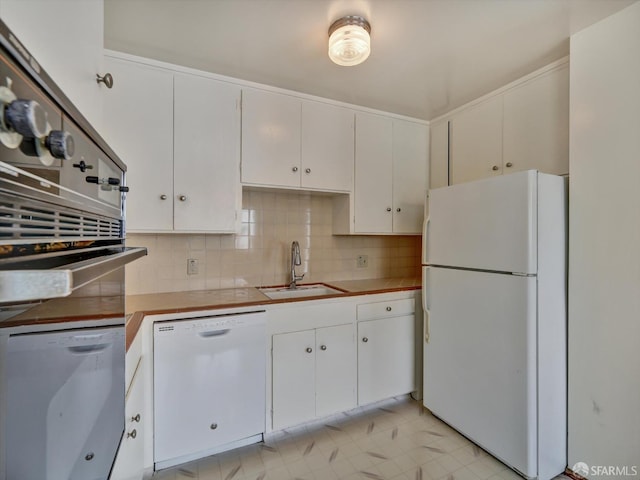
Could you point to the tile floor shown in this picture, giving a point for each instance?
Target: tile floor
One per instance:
(394, 440)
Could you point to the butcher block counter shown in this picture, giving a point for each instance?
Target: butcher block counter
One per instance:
(138, 306)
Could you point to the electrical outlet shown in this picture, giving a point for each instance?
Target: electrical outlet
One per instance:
(362, 261)
(192, 266)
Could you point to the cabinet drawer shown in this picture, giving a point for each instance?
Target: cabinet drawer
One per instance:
(390, 308)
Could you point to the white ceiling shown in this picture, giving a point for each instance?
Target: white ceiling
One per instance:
(428, 56)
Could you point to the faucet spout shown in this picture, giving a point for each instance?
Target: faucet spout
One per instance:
(295, 260)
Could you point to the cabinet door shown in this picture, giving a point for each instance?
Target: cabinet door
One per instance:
(373, 175)
(294, 394)
(536, 124)
(386, 358)
(410, 172)
(139, 127)
(270, 138)
(335, 369)
(327, 147)
(66, 38)
(439, 155)
(476, 142)
(129, 462)
(206, 154)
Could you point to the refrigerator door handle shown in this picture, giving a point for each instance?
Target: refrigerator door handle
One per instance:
(425, 238)
(425, 307)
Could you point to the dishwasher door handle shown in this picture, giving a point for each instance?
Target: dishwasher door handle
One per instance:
(214, 333)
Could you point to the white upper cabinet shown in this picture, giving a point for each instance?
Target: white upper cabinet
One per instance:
(390, 175)
(270, 138)
(290, 142)
(410, 175)
(374, 172)
(66, 38)
(179, 135)
(522, 126)
(327, 147)
(439, 155)
(139, 127)
(476, 142)
(536, 124)
(206, 154)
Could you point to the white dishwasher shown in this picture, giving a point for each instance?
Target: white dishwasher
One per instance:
(208, 385)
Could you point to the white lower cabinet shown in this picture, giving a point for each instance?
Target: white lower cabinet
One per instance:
(314, 374)
(386, 349)
(129, 464)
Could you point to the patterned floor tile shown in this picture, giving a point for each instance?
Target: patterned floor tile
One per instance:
(394, 440)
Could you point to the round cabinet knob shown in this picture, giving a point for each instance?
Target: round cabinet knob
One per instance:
(132, 434)
(213, 426)
(136, 418)
(27, 118)
(182, 198)
(323, 347)
(294, 169)
(495, 168)
(307, 170)
(365, 339)
(388, 309)
(509, 165)
(61, 145)
(398, 209)
(388, 209)
(309, 349)
(107, 79)
(163, 197)
(89, 456)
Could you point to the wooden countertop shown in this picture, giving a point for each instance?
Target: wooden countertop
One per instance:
(137, 306)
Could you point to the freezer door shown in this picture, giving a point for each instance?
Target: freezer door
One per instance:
(480, 360)
(489, 224)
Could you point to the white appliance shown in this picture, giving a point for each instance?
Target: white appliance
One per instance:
(494, 295)
(209, 385)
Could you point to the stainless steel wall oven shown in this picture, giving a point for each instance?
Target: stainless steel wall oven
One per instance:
(62, 289)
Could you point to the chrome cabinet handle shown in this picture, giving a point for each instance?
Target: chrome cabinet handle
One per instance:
(132, 434)
(509, 165)
(388, 309)
(323, 347)
(107, 79)
(307, 170)
(495, 168)
(213, 426)
(163, 197)
(136, 418)
(294, 169)
(182, 198)
(388, 209)
(309, 349)
(365, 339)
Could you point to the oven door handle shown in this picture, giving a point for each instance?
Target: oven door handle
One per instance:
(31, 285)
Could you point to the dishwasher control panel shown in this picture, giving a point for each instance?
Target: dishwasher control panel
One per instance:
(211, 323)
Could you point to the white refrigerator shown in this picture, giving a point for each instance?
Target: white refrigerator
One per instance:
(494, 296)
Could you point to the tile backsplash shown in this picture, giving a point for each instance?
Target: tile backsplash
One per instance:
(259, 254)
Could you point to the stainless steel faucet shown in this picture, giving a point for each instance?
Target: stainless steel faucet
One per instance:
(295, 260)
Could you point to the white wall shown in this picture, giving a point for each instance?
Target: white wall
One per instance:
(604, 254)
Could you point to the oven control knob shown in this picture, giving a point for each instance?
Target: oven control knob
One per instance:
(60, 144)
(27, 118)
(113, 181)
(124, 189)
(92, 179)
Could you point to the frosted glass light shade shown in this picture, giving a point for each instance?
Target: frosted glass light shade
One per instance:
(349, 41)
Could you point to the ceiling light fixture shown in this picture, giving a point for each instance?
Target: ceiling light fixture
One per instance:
(349, 40)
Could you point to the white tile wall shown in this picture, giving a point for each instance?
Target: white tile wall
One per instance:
(259, 254)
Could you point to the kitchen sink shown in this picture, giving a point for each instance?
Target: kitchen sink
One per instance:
(277, 293)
